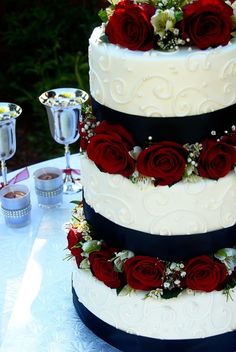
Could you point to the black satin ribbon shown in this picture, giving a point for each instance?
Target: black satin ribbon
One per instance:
(170, 248)
(184, 129)
(134, 343)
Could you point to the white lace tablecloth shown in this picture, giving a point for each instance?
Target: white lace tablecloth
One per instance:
(36, 309)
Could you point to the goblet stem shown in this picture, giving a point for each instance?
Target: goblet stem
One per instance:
(4, 172)
(69, 186)
(67, 156)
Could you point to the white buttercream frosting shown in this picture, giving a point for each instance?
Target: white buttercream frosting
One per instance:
(160, 84)
(184, 208)
(155, 83)
(193, 315)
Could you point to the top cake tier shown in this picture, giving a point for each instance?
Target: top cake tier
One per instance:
(162, 84)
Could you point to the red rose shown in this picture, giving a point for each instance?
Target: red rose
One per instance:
(207, 23)
(73, 239)
(85, 128)
(229, 138)
(110, 128)
(83, 142)
(205, 274)
(144, 273)
(165, 161)
(130, 26)
(110, 152)
(103, 269)
(78, 257)
(216, 159)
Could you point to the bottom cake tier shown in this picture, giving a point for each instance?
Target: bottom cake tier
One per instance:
(140, 303)
(191, 322)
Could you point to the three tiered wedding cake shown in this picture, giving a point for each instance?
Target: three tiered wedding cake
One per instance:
(154, 241)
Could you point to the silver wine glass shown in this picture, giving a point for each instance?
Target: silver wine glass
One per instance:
(63, 106)
(8, 114)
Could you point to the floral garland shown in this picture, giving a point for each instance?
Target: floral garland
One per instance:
(169, 24)
(113, 150)
(125, 271)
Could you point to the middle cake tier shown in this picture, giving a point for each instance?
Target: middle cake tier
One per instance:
(173, 223)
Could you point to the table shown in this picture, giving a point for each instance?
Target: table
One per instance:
(36, 309)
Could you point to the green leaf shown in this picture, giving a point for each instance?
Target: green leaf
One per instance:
(178, 16)
(77, 202)
(221, 254)
(233, 34)
(103, 15)
(68, 257)
(78, 245)
(124, 290)
(91, 246)
(233, 22)
(167, 294)
(229, 288)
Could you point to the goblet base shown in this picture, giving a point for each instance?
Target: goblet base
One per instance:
(71, 186)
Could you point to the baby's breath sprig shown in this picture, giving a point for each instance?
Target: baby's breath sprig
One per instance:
(194, 151)
(87, 111)
(174, 275)
(170, 41)
(87, 125)
(140, 180)
(168, 4)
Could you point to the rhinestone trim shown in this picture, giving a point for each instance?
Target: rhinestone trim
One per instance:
(16, 213)
(49, 194)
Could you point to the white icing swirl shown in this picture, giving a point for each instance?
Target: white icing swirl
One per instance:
(197, 315)
(184, 208)
(181, 83)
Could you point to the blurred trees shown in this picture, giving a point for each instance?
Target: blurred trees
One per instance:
(43, 45)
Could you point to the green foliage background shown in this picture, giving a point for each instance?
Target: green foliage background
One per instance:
(43, 45)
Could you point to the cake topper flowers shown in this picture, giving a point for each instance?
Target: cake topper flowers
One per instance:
(169, 24)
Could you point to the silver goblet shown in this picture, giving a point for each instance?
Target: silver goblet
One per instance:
(8, 114)
(63, 106)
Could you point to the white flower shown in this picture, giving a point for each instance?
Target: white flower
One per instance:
(85, 264)
(228, 257)
(120, 259)
(177, 282)
(134, 153)
(114, 2)
(125, 254)
(166, 284)
(233, 5)
(163, 21)
(173, 266)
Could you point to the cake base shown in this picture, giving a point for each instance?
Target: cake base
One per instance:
(133, 343)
